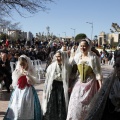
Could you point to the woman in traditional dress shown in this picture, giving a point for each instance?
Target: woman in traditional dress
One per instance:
(87, 67)
(24, 102)
(55, 94)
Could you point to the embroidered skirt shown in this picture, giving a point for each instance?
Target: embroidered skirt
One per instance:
(56, 108)
(80, 99)
(24, 105)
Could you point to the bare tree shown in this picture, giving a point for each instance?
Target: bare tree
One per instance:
(31, 6)
(116, 27)
(8, 6)
(6, 24)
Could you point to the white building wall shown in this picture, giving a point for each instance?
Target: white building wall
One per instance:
(29, 36)
(110, 38)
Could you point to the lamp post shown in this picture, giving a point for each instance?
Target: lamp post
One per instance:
(59, 36)
(92, 28)
(74, 32)
(65, 35)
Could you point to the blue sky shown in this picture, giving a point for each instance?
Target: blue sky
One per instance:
(66, 14)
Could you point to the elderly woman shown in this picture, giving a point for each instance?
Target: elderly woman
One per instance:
(24, 102)
(87, 70)
(55, 94)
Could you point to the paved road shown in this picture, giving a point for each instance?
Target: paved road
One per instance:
(106, 70)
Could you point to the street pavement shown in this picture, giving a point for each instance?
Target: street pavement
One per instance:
(4, 101)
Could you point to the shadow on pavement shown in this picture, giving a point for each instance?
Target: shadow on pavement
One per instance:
(5, 96)
(2, 114)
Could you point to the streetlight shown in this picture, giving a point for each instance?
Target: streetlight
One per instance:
(92, 28)
(59, 36)
(74, 32)
(65, 35)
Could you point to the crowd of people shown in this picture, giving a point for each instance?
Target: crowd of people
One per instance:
(73, 77)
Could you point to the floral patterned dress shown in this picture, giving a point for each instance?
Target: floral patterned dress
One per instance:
(84, 90)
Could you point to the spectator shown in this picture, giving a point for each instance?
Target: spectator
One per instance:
(6, 70)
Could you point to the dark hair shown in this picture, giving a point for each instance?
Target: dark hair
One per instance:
(59, 52)
(84, 40)
(4, 51)
(64, 44)
(22, 60)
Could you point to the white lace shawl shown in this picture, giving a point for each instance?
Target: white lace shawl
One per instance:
(72, 54)
(94, 62)
(17, 73)
(48, 84)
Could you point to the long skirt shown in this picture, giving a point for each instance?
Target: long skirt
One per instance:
(56, 108)
(112, 107)
(80, 99)
(24, 105)
(109, 112)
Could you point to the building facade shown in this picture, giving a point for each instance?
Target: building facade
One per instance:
(110, 38)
